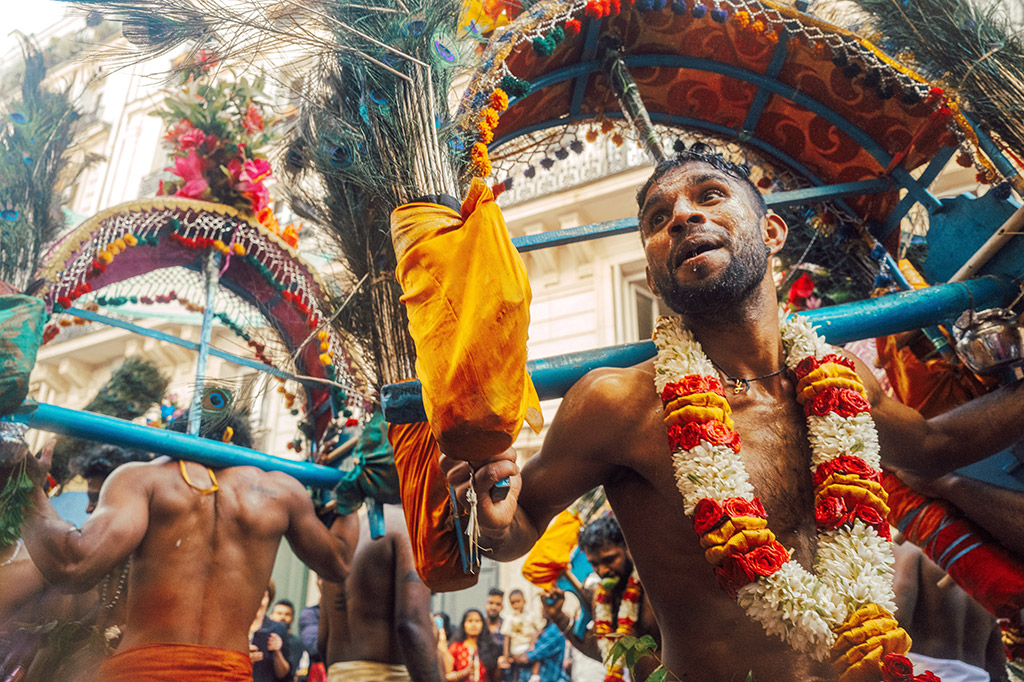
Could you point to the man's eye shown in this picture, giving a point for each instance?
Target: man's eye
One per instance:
(659, 218)
(711, 194)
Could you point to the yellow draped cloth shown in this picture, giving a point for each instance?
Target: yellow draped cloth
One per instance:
(468, 301)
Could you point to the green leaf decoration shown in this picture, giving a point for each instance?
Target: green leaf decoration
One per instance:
(621, 647)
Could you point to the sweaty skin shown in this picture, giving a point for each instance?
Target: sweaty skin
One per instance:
(199, 563)
(695, 223)
(381, 612)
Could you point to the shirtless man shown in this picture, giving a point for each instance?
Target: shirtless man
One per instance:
(376, 625)
(202, 545)
(708, 239)
(602, 543)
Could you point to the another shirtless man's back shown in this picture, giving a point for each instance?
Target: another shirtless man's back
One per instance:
(376, 625)
(201, 549)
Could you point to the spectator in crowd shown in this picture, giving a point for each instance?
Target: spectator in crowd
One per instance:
(546, 657)
(443, 623)
(309, 626)
(268, 644)
(284, 613)
(469, 649)
(520, 630)
(495, 602)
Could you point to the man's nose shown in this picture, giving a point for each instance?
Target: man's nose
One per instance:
(686, 215)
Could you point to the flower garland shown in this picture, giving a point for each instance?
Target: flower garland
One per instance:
(625, 622)
(844, 613)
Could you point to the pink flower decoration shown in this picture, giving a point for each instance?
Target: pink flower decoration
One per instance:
(190, 169)
(191, 139)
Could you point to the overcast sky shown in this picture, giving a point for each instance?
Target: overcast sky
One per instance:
(27, 16)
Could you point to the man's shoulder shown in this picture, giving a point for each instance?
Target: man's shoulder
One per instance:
(608, 386)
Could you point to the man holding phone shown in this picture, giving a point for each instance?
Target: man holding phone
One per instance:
(268, 644)
(376, 625)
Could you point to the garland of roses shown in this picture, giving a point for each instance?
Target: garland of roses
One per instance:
(628, 613)
(844, 613)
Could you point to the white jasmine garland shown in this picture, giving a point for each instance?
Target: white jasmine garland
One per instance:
(853, 563)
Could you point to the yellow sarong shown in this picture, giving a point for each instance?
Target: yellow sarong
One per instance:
(366, 671)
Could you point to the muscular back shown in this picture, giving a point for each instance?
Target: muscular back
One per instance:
(381, 612)
(202, 567)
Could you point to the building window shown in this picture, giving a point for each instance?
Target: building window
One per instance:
(641, 308)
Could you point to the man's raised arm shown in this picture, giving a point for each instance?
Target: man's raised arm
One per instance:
(76, 560)
(962, 436)
(577, 456)
(328, 552)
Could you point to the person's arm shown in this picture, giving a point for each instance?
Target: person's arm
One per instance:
(323, 632)
(327, 553)
(74, 559)
(278, 657)
(1000, 511)
(451, 674)
(550, 643)
(936, 446)
(554, 613)
(576, 457)
(414, 626)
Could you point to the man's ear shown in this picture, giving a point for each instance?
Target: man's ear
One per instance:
(650, 282)
(774, 232)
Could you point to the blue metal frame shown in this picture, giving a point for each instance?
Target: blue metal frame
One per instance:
(839, 324)
(105, 429)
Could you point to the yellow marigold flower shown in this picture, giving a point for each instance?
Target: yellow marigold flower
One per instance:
(742, 18)
(486, 134)
(220, 246)
(325, 345)
(325, 359)
(238, 249)
(130, 240)
(828, 375)
(323, 335)
(106, 257)
(740, 542)
(499, 100)
(489, 117)
(121, 244)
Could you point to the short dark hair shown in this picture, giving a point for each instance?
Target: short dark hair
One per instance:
(101, 460)
(600, 532)
(286, 602)
(516, 591)
(495, 592)
(241, 434)
(717, 161)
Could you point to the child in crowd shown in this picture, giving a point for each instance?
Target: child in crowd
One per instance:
(520, 630)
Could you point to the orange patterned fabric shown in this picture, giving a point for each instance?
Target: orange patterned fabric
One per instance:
(468, 300)
(907, 132)
(176, 662)
(427, 508)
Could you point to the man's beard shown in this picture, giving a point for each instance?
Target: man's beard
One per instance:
(727, 289)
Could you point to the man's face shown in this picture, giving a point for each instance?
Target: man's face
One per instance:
(703, 238)
(282, 614)
(610, 561)
(493, 606)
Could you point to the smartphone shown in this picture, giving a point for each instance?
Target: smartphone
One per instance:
(439, 622)
(261, 639)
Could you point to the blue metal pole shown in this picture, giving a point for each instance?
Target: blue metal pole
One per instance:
(104, 429)
(839, 324)
(212, 272)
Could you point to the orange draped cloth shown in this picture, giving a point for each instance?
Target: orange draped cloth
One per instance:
(427, 508)
(176, 662)
(468, 300)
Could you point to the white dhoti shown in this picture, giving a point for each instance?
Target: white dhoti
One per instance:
(367, 671)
